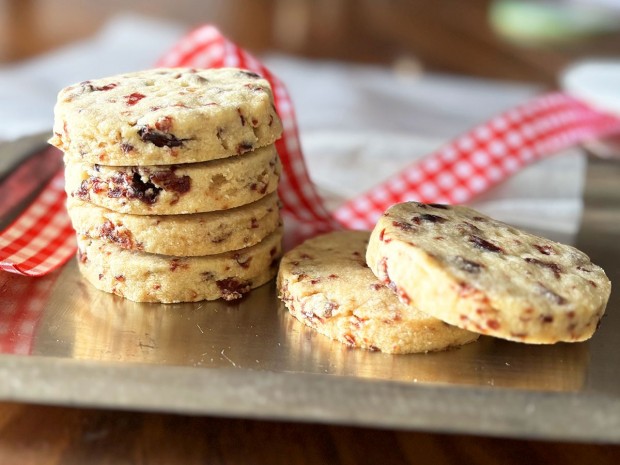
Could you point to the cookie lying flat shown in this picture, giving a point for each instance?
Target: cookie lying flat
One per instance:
(165, 116)
(144, 277)
(326, 284)
(177, 189)
(485, 276)
(180, 235)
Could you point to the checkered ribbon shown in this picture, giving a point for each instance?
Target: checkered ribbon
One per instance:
(41, 239)
(484, 157)
(23, 305)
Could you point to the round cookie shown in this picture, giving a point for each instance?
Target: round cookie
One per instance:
(144, 277)
(165, 116)
(326, 284)
(181, 235)
(477, 273)
(176, 189)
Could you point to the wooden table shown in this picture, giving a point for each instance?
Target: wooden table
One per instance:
(41, 435)
(443, 37)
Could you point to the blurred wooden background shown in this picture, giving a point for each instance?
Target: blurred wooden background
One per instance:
(444, 35)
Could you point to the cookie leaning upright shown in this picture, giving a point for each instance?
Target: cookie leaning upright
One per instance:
(482, 275)
(165, 116)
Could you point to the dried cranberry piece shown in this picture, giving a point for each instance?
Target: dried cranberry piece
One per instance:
(382, 237)
(131, 186)
(87, 85)
(177, 263)
(433, 218)
(97, 185)
(170, 181)
(159, 139)
(483, 244)
(329, 308)
(249, 74)
(222, 238)
(403, 225)
(467, 265)
(82, 256)
(493, 324)
(109, 231)
(544, 249)
(164, 124)
(106, 87)
(145, 192)
(260, 187)
(402, 295)
(383, 271)
(554, 267)
(134, 98)
(207, 276)
(232, 288)
(550, 295)
(82, 193)
(429, 218)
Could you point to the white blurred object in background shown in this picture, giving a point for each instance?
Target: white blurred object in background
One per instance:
(597, 82)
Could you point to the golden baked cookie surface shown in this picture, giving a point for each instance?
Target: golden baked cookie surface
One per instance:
(177, 189)
(179, 235)
(483, 275)
(326, 284)
(165, 116)
(144, 277)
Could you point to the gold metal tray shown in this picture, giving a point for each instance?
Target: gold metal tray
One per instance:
(67, 343)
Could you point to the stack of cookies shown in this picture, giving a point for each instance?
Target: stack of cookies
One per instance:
(433, 276)
(171, 176)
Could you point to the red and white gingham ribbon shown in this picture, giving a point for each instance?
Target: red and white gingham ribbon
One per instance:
(41, 239)
(206, 47)
(23, 304)
(484, 157)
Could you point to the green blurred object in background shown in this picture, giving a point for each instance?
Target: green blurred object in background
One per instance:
(531, 22)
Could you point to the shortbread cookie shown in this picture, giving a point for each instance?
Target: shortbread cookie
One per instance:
(477, 273)
(165, 116)
(180, 235)
(326, 284)
(177, 189)
(144, 277)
